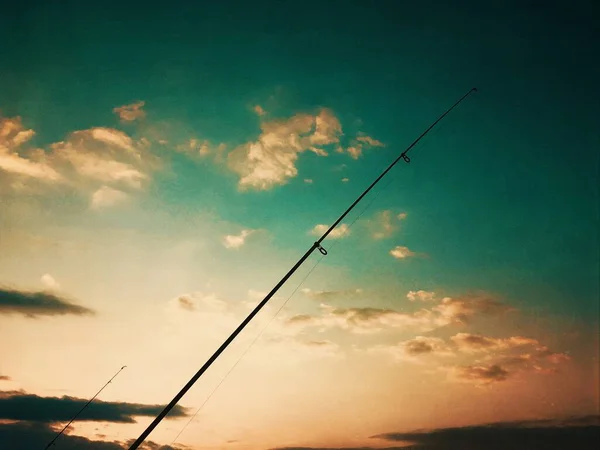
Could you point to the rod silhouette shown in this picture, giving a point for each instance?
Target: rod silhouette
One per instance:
(51, 443)
(317, 245)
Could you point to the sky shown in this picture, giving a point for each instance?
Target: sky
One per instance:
(163, 165)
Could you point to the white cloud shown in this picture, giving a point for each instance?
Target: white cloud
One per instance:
(422, 296)
(384, 224)
(49, 281)
(271, 160)
(106, 197)
(131, 112)
(327, 128)
(12, 136)
(345, 180)
(400, 252)
(105, 155)
(308, 181)
(341, 231)
(236, 241)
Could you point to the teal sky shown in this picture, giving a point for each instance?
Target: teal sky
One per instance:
(502, 197)
(506, 191)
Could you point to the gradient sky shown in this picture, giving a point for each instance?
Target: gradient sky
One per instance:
(163, 165)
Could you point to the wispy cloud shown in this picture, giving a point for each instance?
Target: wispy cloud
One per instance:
(385, 223)
(415, 349)
(401, 252)
(356, 147)
(323, 296)
(444, 312)
(49, 281)
(32, 304)
(422, 296)
(341, 231)
(132, 112)
(13, 135)
(106, 197)
(470, 343)
(234, 241)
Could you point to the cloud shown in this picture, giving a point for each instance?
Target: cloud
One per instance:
(415, 349)
(33, 408)
(259, 110)
(369, 141)
(33, 304)
(341, 231)
(471, 343)
(400, 252)
(422, 296)
(105, 156)
(199, 301)
(481, 374)
(462, 309)
(49, 281)
(327, 129)
(580, 433)
(236, 241)
(345, 180)
(13, 135)
(4, 378)
(356, 147)
(271, 160)
(384, 224)
(106, 197)
(308, 181)
(331, 295)
(362, 320)
(131, 112)
(82, 163)
(28, 435)
(195, 147)
(368, 320)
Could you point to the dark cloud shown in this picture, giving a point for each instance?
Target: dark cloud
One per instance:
(482, 374)
(341, 448)
(32, 408)
(33, 304)
(4, 378)
(28, 435)
(579, 433)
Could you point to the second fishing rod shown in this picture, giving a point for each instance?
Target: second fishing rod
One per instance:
(317, 245)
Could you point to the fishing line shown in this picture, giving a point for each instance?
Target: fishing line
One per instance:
(247, 349)
(333, 245)
(52, 442)
(315, 246)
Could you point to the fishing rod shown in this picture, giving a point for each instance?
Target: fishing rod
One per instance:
(316, 246)
(81, 410)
